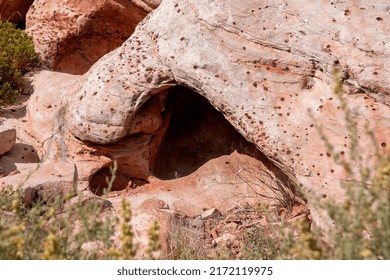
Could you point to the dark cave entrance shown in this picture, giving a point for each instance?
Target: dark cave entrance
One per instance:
(193, 132)
(197, 133)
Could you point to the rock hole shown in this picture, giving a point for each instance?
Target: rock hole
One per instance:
(98, 183)
(196, 134)
(195, 129)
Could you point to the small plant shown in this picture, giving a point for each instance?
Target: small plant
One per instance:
(258, 245)
(50, 230)
(154, 240)
(185, 242)
(17, 56)
(362, 221)
(66, 227)
(126, 249)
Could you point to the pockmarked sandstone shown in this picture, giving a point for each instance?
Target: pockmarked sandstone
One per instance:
(267, 67)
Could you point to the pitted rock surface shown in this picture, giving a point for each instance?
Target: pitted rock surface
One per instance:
(266, 66)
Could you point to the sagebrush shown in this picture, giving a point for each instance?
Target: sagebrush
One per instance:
(17, 56)
(68, 227)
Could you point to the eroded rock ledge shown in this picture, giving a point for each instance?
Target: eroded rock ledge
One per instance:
(263, 65)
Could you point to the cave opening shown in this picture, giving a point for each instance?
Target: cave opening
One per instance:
(193, 134)
(197, 133)
(99, 183)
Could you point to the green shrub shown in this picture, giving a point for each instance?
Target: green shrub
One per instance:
(17, 56)
(259, 245)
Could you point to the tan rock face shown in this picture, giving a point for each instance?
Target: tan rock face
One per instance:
(14, 10)
(134, 153)
(266, 66)
(46, 181)
(72, 35)
(7, 139)
(17, 158)
(264, 82)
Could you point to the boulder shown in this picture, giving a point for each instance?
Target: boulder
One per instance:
(141, 220)
(225, 239)
(153, 203)
(23, 153)
(7, 139)
(210, 213)
(18, 157)
(216, 184)
(44, 181)
(70, 36)
(14, 10)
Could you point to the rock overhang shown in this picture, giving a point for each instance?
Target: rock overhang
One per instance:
(263, 76)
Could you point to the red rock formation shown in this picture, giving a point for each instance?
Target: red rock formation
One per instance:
(266, 66)
(14, 10)
(7, 139)
(70, 36)
(265, 85)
